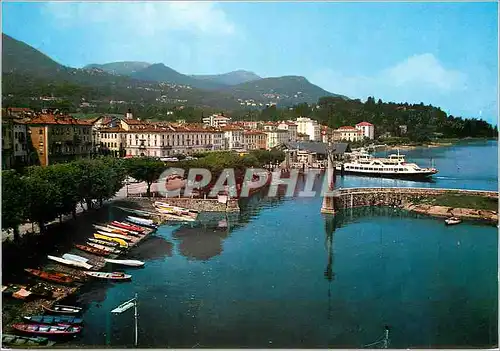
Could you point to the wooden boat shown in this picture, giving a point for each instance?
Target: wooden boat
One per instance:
(70, 262)
(119, 236)
(123, 231)
(103, 242)
(103, 228)
(121, 242)
(54, 319)
(44, 329)
(129, 227)
(25, 341)
(111, 276)
(62, 309)
(136, 220)
(54, 277)
(132, 263)
(452, 221)
(72, 257)
(108, 249)
(92, 250)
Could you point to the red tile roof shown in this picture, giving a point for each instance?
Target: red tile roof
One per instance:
(346, 128)
(362, 124)
(58, 119)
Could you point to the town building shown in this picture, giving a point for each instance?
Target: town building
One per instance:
(233, 137)
(308, 126)
(217, 120)
(276, 137)
(60, 138)
(327, 135)
(347, 133)
(291, 128)
(254, 140)
(367, 128)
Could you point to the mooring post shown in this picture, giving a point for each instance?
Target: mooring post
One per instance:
(328, 201)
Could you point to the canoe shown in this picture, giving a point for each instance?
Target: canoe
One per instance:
(75, 258)
(123, 231)
(136, 220)
(103, 242)
(54, 319)
(44, 329)
(111, 276)
(140, 228)
(129, 227)
(132, 263)
(119, 236)
(104, 248)
(53, 277)
(70, 263)
(62, 309)
(103, 228)
(121, 242)
(24, 341)
(92, 250)
(144, 221)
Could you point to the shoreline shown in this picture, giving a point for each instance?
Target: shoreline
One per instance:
(434, 144)
(437, 211)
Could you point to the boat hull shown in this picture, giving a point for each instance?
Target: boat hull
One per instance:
(47, 330)
(427, 176)
(61, 309)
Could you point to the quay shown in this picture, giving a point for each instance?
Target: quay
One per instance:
(407, 198)
(201, 205)
(60, 292)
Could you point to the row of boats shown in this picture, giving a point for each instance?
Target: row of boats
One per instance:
(109, 241)
(168, 212)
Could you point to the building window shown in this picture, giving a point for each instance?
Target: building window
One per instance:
(40, 131)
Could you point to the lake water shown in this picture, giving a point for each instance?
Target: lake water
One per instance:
(282, 275)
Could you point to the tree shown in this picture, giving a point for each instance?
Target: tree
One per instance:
(13, 201)
(145, 169)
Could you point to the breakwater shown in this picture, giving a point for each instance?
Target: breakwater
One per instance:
(359, 197)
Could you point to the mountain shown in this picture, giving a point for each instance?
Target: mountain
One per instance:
(161, 73)
(230, 78)
(125, 68)
(283, 90)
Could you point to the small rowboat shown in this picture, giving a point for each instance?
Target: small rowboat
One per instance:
(119, 236)
(103, 228)
(62, 309)
(132, 263)
(452, 220)
(70, 262)
(44, 329)
(137, 220)
(75, 258)
(111, 276)
(25, 341)
(123, 231)
(103, 242)
(129, 227)
(121, 242)
(92, 250)
(104, 248)
(124, 306)
(54, 319)
(53, 277)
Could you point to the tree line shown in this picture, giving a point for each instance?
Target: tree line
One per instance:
(42, 194)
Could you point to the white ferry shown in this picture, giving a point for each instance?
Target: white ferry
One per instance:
(394, 166)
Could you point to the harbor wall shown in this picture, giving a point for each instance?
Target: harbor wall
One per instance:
(359, 197)
(202, 205)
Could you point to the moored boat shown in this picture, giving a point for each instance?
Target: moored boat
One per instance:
(137, 212)
(123, 231)
(164, 204)
(24, 341)
(119, 236)
(54, 319)
(72, 257)
(452, 221)
(104, 248)
(70, 262)
(63, 309)
(121, 242)
(129, 227)
(104, 242)
(132, 263)
(92, 250)
(44, 329)
(111, 276)
(54, 277)
(136, 220)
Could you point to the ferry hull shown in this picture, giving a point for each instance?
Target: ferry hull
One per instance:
(414, 176)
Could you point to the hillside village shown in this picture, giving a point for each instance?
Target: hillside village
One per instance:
(48, 136)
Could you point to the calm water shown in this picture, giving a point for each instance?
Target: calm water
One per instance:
(283, 275)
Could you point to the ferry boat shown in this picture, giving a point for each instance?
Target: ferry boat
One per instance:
(394, 166)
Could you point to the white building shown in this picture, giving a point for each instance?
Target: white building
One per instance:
(276, 137)
(216, 121)
(233, 138)
(308, 126)
(347, 133)
(368, 129)
(291, 128)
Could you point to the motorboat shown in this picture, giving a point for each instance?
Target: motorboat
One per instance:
(452, 221)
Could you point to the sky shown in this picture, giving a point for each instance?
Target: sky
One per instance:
(444, 54)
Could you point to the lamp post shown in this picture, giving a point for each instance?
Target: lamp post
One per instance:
(126, 306)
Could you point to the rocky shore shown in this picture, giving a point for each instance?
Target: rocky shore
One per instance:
(445, 211)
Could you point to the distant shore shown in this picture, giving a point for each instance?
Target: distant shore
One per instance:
(433, 144)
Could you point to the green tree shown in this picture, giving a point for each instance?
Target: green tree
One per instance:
(13, 201)
(145, 169)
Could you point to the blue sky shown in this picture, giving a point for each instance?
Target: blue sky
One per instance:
(445, 54)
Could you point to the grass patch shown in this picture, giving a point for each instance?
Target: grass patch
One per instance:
(462, 201)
